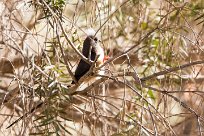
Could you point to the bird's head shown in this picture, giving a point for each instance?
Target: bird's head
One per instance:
(93, 42)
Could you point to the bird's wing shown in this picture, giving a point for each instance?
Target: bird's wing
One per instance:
(81, 69)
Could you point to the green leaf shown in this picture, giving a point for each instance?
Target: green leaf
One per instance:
(64, 129)
(175, 15)
(39, 134)
(155, 42)
(144, 25)
(151, 94)
(46, 122)
(199, 17)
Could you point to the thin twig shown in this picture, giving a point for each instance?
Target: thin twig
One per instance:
(65, 61)
(130, 49)
(172, 69)
(160, 73)
(66, 36)
(73, 46)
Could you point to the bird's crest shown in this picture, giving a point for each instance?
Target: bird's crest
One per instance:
(90, 32)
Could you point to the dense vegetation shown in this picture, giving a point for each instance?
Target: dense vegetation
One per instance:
(153, 82)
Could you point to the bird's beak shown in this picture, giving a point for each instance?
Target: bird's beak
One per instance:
(106, 58)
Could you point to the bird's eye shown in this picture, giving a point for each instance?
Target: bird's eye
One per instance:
(95, 39)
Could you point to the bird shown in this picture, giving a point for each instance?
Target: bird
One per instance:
(91, 49)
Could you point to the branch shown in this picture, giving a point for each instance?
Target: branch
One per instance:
(66, 36)
(65, 61)
(133, 74)
(183, 104)
(166, 71)
(172, 70)
(26, 114)
(127, 51)
(96, 83)
(73, 46)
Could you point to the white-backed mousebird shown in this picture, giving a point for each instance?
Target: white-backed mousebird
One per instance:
(91, 49)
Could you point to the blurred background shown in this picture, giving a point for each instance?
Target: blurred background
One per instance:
(153, 83)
